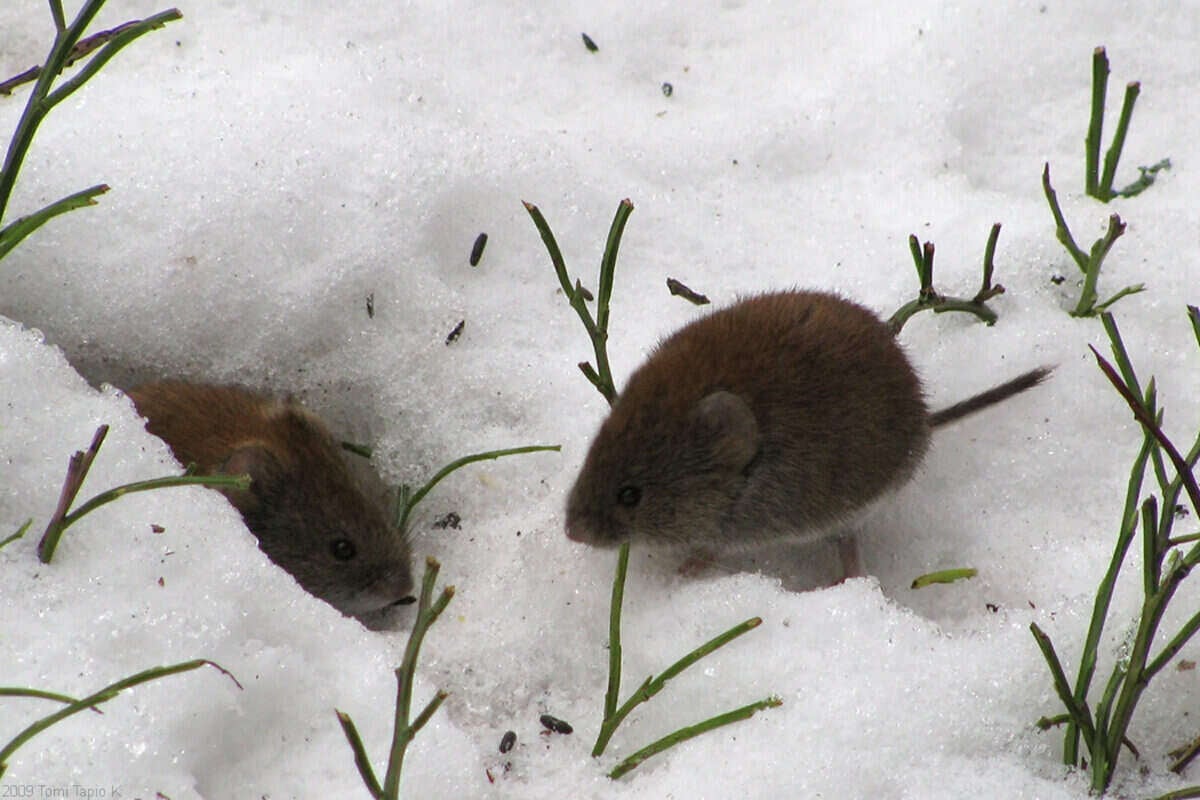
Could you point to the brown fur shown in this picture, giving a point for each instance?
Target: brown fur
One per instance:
(773, 418)
(303, 503)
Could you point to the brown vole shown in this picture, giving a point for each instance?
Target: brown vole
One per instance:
(774, 418)
(303, 504)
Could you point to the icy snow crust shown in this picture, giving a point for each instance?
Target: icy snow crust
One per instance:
(274, 164)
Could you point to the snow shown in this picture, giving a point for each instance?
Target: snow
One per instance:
(274, 164)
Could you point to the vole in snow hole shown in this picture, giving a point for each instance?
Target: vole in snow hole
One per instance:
(309, 513)
(775, 418)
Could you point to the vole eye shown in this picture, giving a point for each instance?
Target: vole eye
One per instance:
(629, 496)
(342, 549)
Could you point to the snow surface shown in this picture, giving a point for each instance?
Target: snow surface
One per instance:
(274, 164)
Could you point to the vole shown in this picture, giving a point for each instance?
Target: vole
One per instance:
(775, 418)
(304, 505)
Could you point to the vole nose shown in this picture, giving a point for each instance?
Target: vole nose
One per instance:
(578, 532)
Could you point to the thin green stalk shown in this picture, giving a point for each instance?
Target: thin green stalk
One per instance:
(1104, 594)
(360, 754)
(653, 685)
(1114, 152)
(929, 298)
(13, 234)
(683, 734)
(1088, 296)
(128, 35)
(613, 694)
(608, 267)
(1134, 683)
(56, 10)
(599, 376)
(41, 100)
(1061, 231)
(40, 694)
(1148, 422)
(1181, 794)
(104, 695)
(58, 525)
(1096, 123)
(986, 289)
(1145, 179)
(1117, 345)
(1151, 555)
(20, 532)
(1174, 646)
(411, 499)
(1079, 711)
(428, 611)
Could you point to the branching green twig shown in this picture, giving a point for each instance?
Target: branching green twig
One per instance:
(67, 47)
(597, 328)
(77, 471)
(407, 499)
(1089, 263)
(1100, 185)
(601, 378)
(683, 734)
(929, 298)
(653, 685)
(1104, 731)
(104, 695)
(403, 731)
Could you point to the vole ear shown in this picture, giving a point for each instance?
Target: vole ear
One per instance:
(730, 428)
(255, 460)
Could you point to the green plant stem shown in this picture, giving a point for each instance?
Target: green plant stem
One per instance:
(613, 694)
(1146, 178)
(986, 290)
(105, 694)
(361, 761)
(1061, 231)
(1181, 794)
(41, 100)
(16, 691)
(599, 376)
(1104, 593)
(1078, 712)
(1143, 416)
(1088, 296)
(13, 234)
(428, 611)
(129, 32)
(1182, 756)
(1096, 122)
(1113, 155)
(410, 500)
(653, 685)
(683, 734)
(59, 523)
(929, 298)
(20, 532)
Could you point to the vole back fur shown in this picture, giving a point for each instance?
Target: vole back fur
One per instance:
(773, 418)
(309, 513)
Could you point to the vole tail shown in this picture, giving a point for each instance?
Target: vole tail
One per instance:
(990, 397)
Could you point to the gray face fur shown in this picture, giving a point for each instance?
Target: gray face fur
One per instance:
(311, 519)
(682, 482)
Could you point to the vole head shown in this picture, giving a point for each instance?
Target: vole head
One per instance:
(312, 519)
(663, 474)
